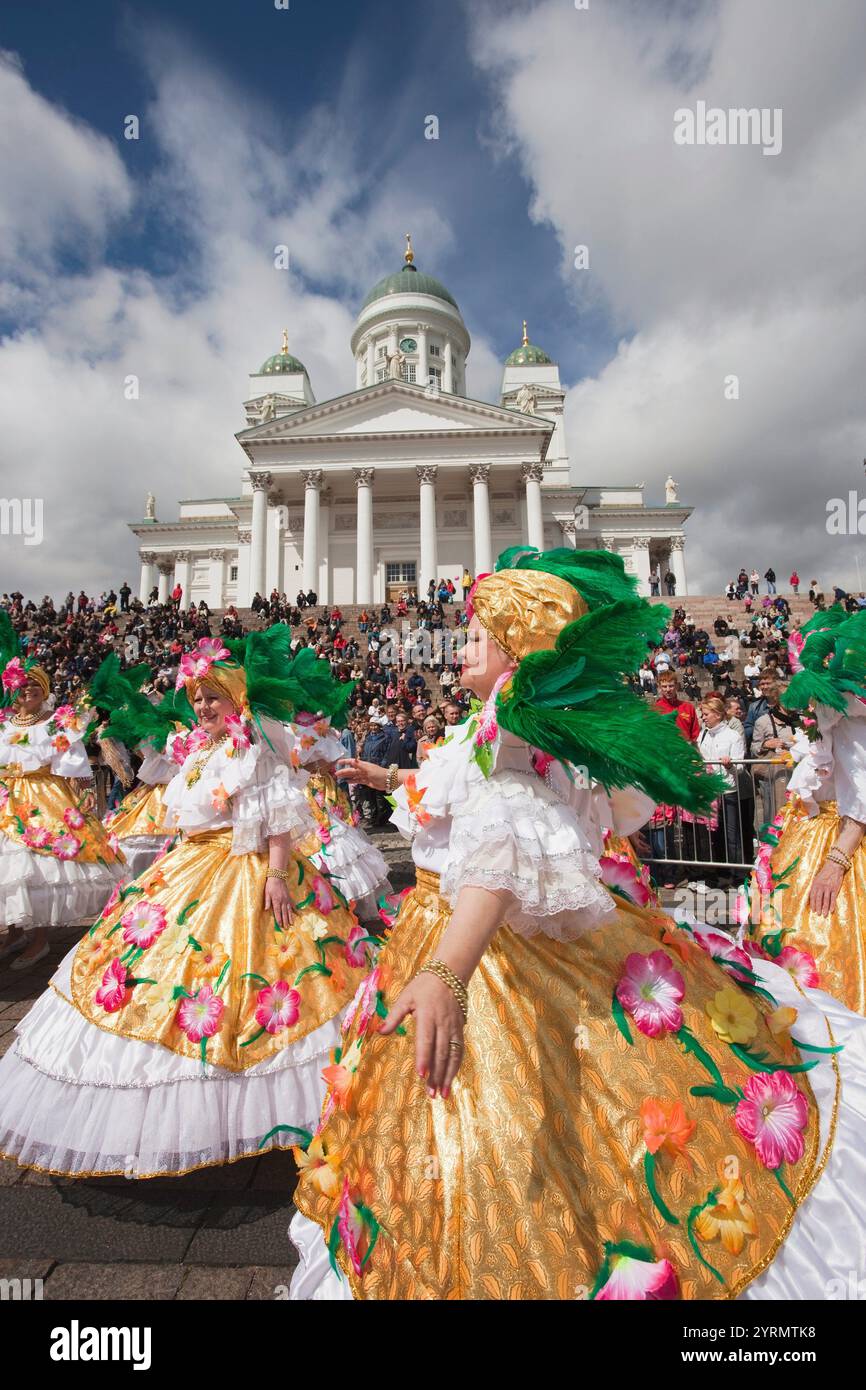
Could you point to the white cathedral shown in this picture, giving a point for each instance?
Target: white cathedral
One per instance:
(404, 479)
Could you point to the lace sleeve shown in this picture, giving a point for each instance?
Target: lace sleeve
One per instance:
(513, 835)
(273, 804)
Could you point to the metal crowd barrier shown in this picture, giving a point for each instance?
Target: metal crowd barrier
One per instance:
(727, 840)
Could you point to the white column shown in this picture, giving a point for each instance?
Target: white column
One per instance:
(364, 558)
(312, 479)
(216, 569)
(480, 473)
(166, 565)
(324, 585)
(371, 362)
(429, 566)
(148, 560)
(392, 339)
(273, 568)
(181, 575)
(641, 557)
(448, 378)
(242, 588)
(261, 482)
(423, 376)
(678, 564)
(532, 474)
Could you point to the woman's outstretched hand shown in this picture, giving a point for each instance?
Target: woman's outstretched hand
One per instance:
(438, 1025)
(367, 774)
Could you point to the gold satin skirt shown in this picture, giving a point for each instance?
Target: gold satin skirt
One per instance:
(837, 942)
(187, 957)
(141, 812)
(532, 1180)
(41, 813)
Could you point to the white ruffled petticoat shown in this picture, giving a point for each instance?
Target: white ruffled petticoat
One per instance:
(115, 1105)
(39, 890)
(356, 866)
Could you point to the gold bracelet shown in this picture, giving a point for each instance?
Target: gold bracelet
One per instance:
(283, 874)
(391, 779)
(444, 973)
(839, 857)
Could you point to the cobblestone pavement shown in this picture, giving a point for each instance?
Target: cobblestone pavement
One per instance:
(216, 1234)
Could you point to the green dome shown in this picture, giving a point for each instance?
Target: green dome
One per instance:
(409, 281)
(281, 362)
(527, 355)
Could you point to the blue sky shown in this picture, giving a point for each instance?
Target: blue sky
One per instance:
(154, 258)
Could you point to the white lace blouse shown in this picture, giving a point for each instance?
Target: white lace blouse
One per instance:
(253, 790)
(537, 838)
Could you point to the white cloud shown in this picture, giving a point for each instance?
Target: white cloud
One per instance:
(234, 183)
(60, 180)
(717, 260)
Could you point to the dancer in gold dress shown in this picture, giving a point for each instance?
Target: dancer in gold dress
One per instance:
(193, 1020)
(57, 864)
(544, 1090)
(808, 896)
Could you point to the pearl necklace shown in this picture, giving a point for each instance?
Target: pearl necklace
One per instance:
(26, 719)
(194, 774)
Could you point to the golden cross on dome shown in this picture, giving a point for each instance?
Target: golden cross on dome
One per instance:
(525, 335)
(410, 254)
(285, 348)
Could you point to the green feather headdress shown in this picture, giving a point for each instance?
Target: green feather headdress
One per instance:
(572, 701)
(134, 719)
(832, 660)
(280, 685)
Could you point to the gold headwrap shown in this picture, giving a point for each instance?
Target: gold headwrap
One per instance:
(228, 681)
(40, 677)
(526, 610)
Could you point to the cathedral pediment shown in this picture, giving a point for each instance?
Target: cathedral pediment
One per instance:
(396, 408)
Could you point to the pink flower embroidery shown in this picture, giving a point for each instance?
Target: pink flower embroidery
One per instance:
(618, 873)
(278, 1007)
(199, 1017)
(112, 901)
(14, 676)
(800, 966)
(4, 797)
(638, 1280)
(143, 923)
(650, 989)
(66, 847)
(37, 837)
(324, 895)
(772, 1115)
(356, 953)
(114, 992)
(352, 1228)
(324, 835)
(239, 731)
(721, 948)
(64, 717)
(212, 649)
(73, 818)
(363, 1006)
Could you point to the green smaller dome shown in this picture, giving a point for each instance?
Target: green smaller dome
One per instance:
(528, 355)
(282, 362)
